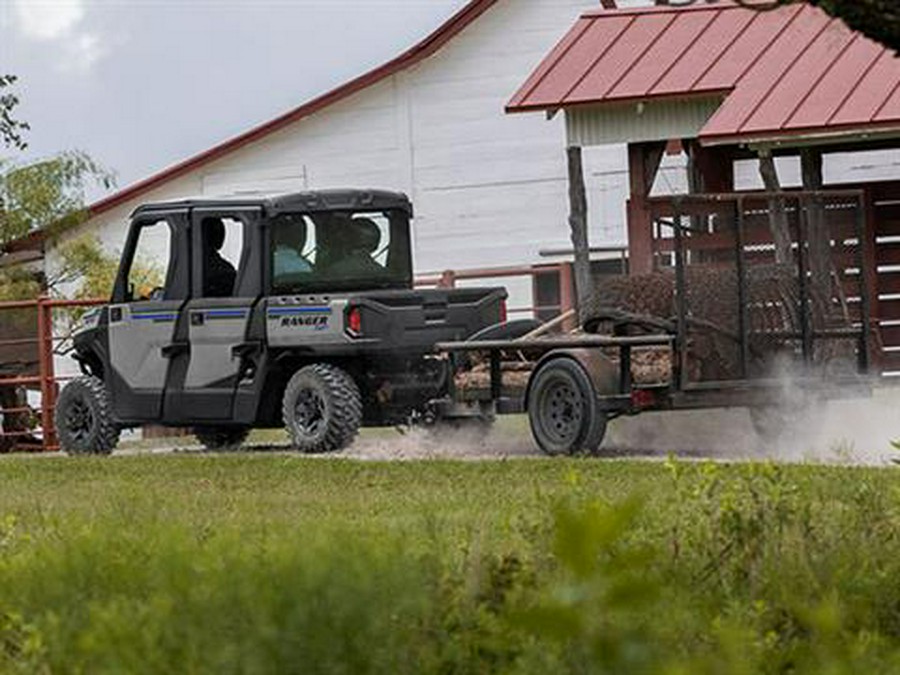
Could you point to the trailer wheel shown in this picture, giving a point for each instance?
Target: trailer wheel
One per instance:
(322, 409)
(563, 411)
(222, 439)
(83, 418)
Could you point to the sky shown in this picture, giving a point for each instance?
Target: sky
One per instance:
(142, 84)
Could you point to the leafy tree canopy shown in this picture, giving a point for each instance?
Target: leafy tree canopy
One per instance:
(47, 194)
(10, 128)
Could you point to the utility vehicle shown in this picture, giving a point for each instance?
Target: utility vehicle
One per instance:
(298, 310)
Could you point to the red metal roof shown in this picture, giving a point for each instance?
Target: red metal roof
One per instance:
(421, 51)
(790, 72)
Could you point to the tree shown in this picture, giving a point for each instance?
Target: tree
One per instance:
(877, 19)
(47, 194)
(10, 128)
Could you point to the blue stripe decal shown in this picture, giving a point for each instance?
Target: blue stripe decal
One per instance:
(154, 317)
(288, 311)
(225, 313)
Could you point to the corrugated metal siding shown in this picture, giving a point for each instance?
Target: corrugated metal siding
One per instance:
(636, 122)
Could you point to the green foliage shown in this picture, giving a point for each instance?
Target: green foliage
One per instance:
(18, 284)
(283, 564)
(92, 271)
(10, 128)
(47, 194)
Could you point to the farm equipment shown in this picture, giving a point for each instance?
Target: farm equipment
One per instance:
(724, 320)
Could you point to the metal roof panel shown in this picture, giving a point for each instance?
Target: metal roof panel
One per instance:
(705, 52)
(833, 89)
(870, 93)
(659, 59)
(559, 51)
(762, 31)
(574, 63)
(801, 79)
(788, 71)
(621, 56)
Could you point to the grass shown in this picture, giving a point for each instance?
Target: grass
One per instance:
(278, 563)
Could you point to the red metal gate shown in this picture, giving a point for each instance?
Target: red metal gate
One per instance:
(27, 353)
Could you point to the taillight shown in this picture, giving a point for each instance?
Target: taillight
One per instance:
(354, 321)
(504, 316)
(643, 398)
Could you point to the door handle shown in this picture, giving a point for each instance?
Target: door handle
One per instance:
(175, 349)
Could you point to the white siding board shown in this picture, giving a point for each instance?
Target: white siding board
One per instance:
(489, 188)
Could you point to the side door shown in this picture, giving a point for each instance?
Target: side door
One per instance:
(225, 288)
(150, 292)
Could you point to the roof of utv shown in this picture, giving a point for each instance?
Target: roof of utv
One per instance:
(310, 201)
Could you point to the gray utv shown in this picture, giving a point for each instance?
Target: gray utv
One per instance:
(297, 311)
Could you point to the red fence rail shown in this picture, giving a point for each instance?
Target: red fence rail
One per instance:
(45, 380)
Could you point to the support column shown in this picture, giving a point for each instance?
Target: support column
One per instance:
(819, 236)
(578, 215)
(643, 164)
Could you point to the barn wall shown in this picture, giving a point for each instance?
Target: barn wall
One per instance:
(489, 188)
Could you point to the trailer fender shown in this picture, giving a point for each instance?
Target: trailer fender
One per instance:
(602, 372)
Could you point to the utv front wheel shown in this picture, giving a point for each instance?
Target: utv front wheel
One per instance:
(322, 409)
(222, 439)
(83, 418)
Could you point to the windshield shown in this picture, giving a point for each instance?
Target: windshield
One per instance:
(340, 251)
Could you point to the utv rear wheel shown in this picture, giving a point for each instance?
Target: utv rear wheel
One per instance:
(322, 409)
(222, 439)
(83, 418)
(563, 411)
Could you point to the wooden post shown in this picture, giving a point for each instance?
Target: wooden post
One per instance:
(566, 295)
(778, 220)
(643, 164)
(48, 379)
(819, 236)
(710, 169)
(578, 226)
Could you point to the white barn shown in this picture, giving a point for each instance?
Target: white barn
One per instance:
(489, 189)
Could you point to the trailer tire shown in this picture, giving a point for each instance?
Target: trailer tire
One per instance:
(84, 420)
(562, 409)
(322, 409)
(222, 439)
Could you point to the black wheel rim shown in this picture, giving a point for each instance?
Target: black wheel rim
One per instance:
(309, 412)
(561, 412)
(79, 420)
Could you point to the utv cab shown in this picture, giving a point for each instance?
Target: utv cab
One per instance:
(296, 311)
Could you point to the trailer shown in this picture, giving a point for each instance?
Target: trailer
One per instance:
(727, 318)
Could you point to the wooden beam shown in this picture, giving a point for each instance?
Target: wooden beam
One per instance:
(778, 220)
(643, 165)
(578, 226)
(817, 230)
